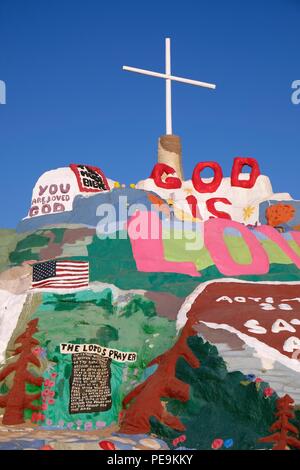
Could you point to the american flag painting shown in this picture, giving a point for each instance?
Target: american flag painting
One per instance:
(60, 274)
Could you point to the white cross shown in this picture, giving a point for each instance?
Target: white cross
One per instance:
(168, 77)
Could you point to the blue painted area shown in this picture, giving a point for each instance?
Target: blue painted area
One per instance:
(286, 226)
(287, 236)
(21, 444)
(148, 371)
(259, 235)
(232, 231)
(137, 438)
(107, 207)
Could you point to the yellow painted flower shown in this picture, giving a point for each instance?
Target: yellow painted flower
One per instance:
(248, 212)
(117, 184)
(189, 190)
(132, 185)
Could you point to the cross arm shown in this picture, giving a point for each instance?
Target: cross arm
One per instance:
(171, 77)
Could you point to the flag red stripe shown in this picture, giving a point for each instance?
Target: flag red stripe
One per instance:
(60, 286)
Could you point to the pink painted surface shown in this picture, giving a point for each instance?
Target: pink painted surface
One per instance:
(149, 252)
(215, 243)
(275, 236)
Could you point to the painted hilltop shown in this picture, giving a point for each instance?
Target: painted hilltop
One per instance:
(163, 314)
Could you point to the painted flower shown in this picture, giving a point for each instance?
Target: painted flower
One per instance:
(175, 442)
(34, 417)
(51, 401)
(100, 424)
(248, 212)
(40, 416)
(51, 383)
(44, 406)
(36, 351)
(107, 445)
(70, 425)
(51, 393)
(49, 422)
(228, 443)
(43, 353)
(46, 382)
(53, 375)
(268, 392)
(250, 377)
(258, 380)
(45, 392)
(217, 444)
(88, 426)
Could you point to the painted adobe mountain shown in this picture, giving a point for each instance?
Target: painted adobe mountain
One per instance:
(209, 307)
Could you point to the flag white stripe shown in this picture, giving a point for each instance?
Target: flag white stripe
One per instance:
(63, 263)
(69, 271)
(63, 279)
(72, 270)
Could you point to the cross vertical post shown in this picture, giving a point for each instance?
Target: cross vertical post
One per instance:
(168, 88)
(169, 145)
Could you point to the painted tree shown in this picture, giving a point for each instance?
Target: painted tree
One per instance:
(17, 399)
(146, 400)
(282, 427)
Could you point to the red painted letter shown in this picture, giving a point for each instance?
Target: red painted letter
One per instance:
(238, 165)
(207, 187)
(210, 204)
(169, 183)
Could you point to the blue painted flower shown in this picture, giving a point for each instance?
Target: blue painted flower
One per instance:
(250, 377)
(228, 443)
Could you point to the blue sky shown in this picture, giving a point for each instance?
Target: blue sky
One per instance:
(68, 99)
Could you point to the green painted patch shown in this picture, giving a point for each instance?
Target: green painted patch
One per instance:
(94, 317)
(219, 405)
(238, 249)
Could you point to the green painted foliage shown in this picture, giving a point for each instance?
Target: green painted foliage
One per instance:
(219, 405)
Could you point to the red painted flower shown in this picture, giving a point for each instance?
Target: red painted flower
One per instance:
(107, 445)
(34, 417)
(44, 406)
(36, 351)
(268, 392)
(258, 380)
(51, 401)
(217, 444)
(53, 375)
(51, 393)
(46, 382)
